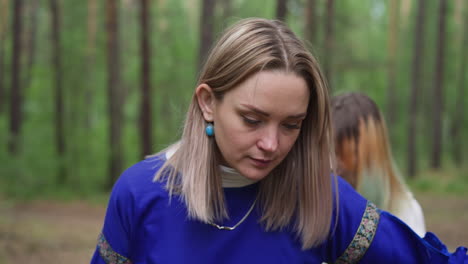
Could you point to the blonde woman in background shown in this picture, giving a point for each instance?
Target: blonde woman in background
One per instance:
(365, 158)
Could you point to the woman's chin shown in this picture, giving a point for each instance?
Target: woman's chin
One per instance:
(254, 174)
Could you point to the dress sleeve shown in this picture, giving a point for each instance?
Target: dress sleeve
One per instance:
(353, 226)
(365, 234)
(113, 245)
(396, 242)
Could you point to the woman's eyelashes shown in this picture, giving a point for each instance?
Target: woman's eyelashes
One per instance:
(293, 125)
(251, 121)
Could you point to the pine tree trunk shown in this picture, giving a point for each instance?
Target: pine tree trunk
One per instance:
(4, 8)
(459, 114)
(90, 59)
(405, 12)
(2, 75)
(206, 30)
(281, 10)
(438, 107)
(415, 89)
(16, 100)
(392, 53)
(30, 42)
(311, 22)
(58, 88)
(145, 110)
(115, 102)
(329, 43)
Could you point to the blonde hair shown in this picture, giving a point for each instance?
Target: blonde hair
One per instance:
(300, 187)
(363, 151)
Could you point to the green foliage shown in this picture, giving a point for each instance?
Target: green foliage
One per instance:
(449, 181)
(359, 64)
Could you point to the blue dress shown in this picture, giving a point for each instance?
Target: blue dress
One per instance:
(143, 226)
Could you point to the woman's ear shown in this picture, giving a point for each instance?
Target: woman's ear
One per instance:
(206, 101)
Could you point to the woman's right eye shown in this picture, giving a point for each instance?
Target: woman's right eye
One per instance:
(250, 121)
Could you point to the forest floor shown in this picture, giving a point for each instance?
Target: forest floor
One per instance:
(66, 232)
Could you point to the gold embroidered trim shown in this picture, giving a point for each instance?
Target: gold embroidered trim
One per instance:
(363, 237)
(108, 254)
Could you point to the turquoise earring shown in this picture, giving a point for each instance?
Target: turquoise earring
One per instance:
(209, 130)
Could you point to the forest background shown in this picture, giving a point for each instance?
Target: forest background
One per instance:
(88, 88)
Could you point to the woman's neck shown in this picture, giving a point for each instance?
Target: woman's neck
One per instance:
(230, 177)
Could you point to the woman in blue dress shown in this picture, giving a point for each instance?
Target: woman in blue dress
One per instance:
(250, 180)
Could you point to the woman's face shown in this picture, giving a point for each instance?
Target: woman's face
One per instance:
(257, 123)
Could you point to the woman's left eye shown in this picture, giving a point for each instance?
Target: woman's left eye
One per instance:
(292, 126)
(250, 121)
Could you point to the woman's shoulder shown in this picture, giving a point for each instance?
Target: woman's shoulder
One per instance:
(138, 179)
(354, 223)
(348, 196)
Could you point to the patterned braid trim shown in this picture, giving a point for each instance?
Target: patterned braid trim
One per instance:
(108, 254)
(363, 237)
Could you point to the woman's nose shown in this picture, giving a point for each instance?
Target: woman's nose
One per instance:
(268, 140)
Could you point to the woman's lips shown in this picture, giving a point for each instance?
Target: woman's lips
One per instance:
(262, 163)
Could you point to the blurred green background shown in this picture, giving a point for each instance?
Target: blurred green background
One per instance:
(369, 46)
(78, 79)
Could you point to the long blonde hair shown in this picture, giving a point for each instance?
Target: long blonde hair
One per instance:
(364, 154)
(300, 187)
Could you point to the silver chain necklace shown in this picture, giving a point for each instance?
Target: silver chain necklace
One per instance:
(230, 228)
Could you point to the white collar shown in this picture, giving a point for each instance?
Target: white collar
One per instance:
(230, 177)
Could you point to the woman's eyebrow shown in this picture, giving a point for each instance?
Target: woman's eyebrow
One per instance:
(255, 109)
(297, 116)
(263, 113)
